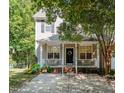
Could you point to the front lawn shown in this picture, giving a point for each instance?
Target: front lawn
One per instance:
(17, 77)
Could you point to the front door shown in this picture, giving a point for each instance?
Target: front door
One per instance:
(69, 55)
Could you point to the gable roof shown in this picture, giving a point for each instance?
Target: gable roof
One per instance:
(40, 15)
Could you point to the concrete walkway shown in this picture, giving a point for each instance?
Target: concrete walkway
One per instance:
(56, 83)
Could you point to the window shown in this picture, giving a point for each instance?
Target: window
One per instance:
(53, 52)
(48, 27)
(86, 52)
(50, 55)
(56, 55)
(88, 55)
(82, 55)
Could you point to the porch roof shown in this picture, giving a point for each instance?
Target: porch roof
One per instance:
(40, 15)
(54, 40)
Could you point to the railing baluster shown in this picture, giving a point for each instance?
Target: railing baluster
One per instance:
(86, 62)
(53, 62)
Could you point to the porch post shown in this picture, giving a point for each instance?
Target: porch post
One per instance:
(38, 52)
(98, 55)
(62, 58)
(46, 53)
(41, 55)
(76, 57)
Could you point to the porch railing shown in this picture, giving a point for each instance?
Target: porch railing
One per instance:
(86, 62)
(80, 62)
(53, 62)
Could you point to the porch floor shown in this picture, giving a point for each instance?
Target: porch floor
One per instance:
(69, 83)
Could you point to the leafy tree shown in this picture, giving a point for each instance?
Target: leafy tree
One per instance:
(69, 32)
(96, 17)
(21, 30)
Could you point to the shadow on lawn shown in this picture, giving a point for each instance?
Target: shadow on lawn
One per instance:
(18, 78)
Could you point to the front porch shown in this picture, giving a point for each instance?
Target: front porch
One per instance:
(69, 54)
(80, 63)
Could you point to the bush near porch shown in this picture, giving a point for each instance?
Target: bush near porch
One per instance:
(111, 75)
(47, 69)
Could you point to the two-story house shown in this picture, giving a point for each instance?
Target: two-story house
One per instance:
(52, 51)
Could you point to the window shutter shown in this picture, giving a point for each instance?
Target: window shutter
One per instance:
(42, 27)
(52, 28)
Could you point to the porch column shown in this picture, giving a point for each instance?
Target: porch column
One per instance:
(38, 52)
(46, 53)
(41, 55)
(98, 55)
(46, 60)
(76, 58)
(62, 58)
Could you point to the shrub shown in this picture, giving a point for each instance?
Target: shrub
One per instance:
(49, 69)
(112, 72)
(35, 68)
(111, 75)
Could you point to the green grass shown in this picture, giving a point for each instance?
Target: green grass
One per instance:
(17, 77)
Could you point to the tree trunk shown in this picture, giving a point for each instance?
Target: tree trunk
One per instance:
(102, 63)
(108, 60)
(27, 60)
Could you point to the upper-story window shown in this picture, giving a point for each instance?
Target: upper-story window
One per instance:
(48, 27)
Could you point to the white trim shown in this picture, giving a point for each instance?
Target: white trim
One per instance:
(47, 51)
(86, 59)
(53, 59)
(83, 43)
(87, 66)
(62, 58)
(76, 58)
(41, 54)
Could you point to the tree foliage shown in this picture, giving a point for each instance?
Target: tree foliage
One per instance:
(96, 17)
(69, 32)
(21, 27)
